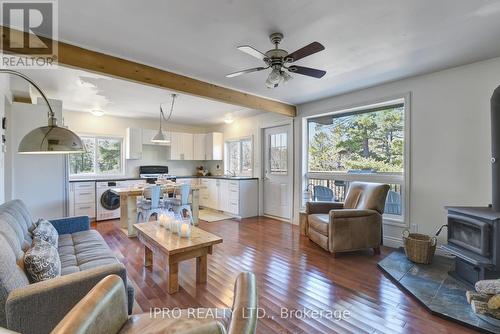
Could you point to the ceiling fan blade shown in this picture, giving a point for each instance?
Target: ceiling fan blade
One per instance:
(305, 51)
(252, 52)
(250, 70)
(312, 72)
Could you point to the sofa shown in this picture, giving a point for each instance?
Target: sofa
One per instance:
(353, 225)
(85, 260)
(106, 302)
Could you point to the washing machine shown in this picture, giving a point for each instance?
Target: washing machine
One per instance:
(107, 202)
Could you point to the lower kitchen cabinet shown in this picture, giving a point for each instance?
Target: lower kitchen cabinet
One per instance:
(82, 199)
(237, 197)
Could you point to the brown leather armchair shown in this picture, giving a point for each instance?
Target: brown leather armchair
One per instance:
(104, 311)
(353, 225)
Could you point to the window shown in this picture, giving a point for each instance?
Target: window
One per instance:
(239, 156)
(278, 154)
(103, 156)
(366, 145)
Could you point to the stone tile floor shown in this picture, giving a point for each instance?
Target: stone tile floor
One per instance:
(440, 293)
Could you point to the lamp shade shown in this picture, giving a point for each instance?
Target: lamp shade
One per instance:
(51, 139)
(160, 138)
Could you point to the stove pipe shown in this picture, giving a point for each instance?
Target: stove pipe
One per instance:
(495, 148)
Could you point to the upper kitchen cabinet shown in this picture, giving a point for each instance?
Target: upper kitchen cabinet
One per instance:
(208, 146)
(181, 147)
(148, 134)
(199, 146)
(214, 146)
(133, 143)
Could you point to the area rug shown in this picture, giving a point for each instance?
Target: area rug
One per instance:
(430, 284)
(212, 216)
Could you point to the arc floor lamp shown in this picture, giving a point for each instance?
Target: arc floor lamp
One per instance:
(50, 139)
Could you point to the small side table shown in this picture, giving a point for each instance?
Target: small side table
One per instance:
(303, 223)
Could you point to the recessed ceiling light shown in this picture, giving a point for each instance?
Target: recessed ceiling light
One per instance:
(229, 118)
(97, 113)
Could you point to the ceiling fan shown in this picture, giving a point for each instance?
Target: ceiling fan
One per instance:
(279, 60)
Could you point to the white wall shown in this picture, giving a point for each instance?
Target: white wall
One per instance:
(86, 123)
(5, 98)
(39, 180)
(252, 127)
(450, 138)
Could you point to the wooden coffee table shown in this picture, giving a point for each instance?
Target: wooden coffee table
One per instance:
(158, 240)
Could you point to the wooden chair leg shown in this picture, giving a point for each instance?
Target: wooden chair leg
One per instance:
(376, 250)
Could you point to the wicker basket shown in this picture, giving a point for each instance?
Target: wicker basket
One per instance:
(419, 248)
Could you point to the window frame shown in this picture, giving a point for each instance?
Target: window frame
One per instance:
(391, 178)
(97, 174)
(239, 140)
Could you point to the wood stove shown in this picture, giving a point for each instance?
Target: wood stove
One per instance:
(474, 232)
(474, 238)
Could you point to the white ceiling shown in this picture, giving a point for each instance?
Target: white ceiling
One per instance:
(367, 42)
(84, 91)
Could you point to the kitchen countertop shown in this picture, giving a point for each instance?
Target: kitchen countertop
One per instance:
(106, 180)
(218, 177)
(221, 177)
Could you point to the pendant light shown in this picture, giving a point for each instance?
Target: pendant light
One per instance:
(50, 139)
(160, 136)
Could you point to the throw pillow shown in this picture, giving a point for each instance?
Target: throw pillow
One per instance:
(46, 232)
(41, 261)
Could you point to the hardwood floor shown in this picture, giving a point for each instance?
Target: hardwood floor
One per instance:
(292, 273)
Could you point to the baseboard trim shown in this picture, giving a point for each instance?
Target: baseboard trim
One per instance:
(392, 242)
(279, 218)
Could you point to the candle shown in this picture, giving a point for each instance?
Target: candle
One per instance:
(168, 223)
(185, 230)
(163, 219)
(174, 227)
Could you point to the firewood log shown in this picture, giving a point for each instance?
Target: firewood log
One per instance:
(473, 295)
(482, 308)
(494, 302)
(488, 287)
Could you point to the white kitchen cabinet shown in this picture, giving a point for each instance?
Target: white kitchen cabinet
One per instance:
(148, 134)
(204, 201)
(223, 200)
(236, 197)
(193, 181)
(214, 146)
(82, 199)
(181, 146)
(199, 146)
(212, 193)
(133, 143)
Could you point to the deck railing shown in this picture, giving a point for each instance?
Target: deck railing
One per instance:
(393, 204)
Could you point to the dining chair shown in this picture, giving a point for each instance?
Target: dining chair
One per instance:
(149, 204)
(181, 205)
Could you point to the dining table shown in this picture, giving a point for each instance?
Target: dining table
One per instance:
(128, 203)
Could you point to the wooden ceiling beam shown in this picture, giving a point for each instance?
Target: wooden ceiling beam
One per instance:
(85, 59)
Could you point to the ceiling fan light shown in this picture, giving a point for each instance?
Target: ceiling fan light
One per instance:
(286, 77)
(269, 84)
(275, 76)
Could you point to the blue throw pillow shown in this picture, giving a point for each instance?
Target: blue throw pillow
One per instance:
(41, 261)
(46, 231)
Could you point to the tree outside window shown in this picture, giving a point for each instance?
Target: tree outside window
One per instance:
(239, 156)
(365, 145)
(103, 156)
(371, 141)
